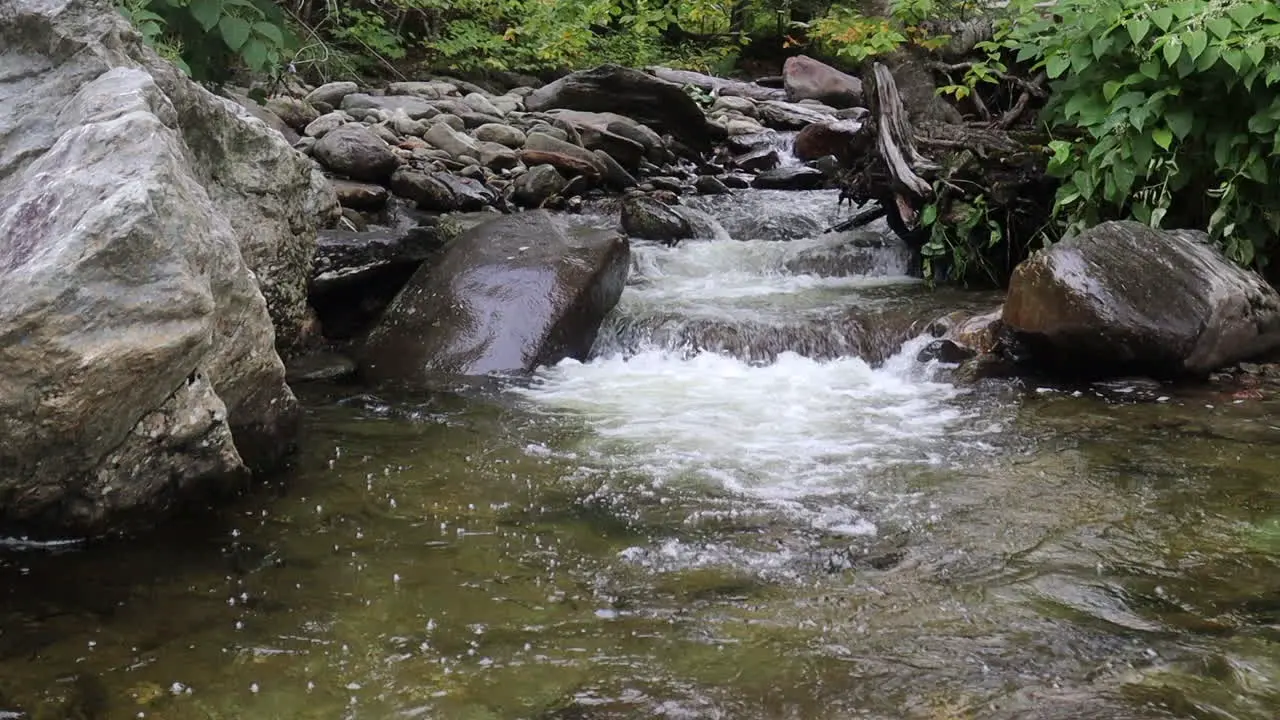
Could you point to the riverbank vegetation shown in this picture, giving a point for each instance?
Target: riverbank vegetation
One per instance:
(1166, 112)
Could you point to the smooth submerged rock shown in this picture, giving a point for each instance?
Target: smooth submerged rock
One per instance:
(507, 296)
(609, 88)
(141, 221)
(1124, 298)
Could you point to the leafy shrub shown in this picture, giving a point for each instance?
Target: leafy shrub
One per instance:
(206, 37)
(1177, 107)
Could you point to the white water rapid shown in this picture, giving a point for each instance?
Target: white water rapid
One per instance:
(766, 370)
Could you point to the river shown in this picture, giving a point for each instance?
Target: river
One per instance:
(753, 502)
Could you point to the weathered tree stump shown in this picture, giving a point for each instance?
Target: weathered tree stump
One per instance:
(959, 169)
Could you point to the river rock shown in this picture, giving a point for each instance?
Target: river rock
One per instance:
(344, 257)
(789, 178)
(325, 124)
(497, 157)
(502, 134)
(758, 160)
(614, 173)
(451, 141)
(359, 196)
(546, 143)
(645, 218)
(807, 79)
(790, 116)
(507, 296)
(835, 138)
(1122, 298)
(536, 186)
(609, 88)
(141, 220)
(735, 104)
(295, 113)
(415, 107)
(482, 105)
(711, 185)
(355, 151)
(331, 94)
(431, 90)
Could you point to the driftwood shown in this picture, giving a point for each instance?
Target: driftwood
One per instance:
(987, 166)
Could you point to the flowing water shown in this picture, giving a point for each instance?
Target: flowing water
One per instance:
(750, 504)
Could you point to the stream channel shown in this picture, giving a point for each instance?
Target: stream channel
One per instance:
(753, 502)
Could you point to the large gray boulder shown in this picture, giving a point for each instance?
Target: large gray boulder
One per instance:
(142, 219)
(809, 79)
(609, 88)
(507, 296)
(1124, 298)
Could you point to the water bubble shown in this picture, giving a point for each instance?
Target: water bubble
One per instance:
(253, 688)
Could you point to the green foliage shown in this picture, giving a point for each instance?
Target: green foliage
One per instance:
(205, 37)
(961, 243)
(1178, 105)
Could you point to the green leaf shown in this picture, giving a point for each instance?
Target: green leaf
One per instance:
(1243, 14)
(930, 214)
(1163, 137)
(1056, 65)
(1110, 88)
(1196, 41)
(1263, 124)
(1101, 44)
(1210, 56)
(1256, 170)
(1180, 122)
(255, 54)
(1220, 26)
(1172, 49)
(206, 12)
(1141, 148)
(1255, 53)
(270, 32)
(1150, 68)
(1137, 28)
(235, 31)
(1234, 58)
(1162, 17)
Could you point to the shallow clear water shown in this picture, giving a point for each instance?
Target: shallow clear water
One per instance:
(671, 531)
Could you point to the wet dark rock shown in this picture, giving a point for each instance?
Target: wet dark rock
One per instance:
(711, 185)
(507, 296)
(662, 105)
(807, 79)
(646, 218)
(537, 185)
(320, 367)
(569, 165)
(1122, 298)
(758, 160)
(343, 257)
(668, 183)
(835, 138)
(614, 174)
(945, 351)
(736, 182)
(354, 151)
(360, 196)
(424, 189)
(789, 178)
(984, 366)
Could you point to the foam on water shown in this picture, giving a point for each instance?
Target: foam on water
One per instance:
(789, 433)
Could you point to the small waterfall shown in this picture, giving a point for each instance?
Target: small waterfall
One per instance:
(784, 143)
